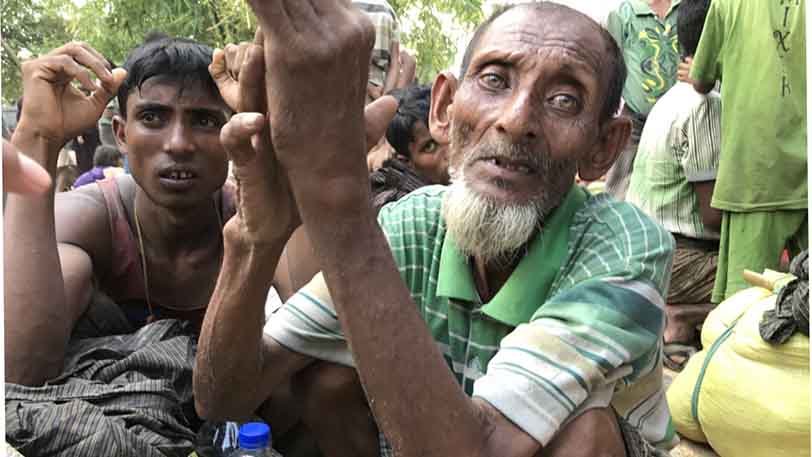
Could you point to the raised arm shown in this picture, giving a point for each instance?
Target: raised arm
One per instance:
(316, 113)
(236, 367)
(45, 283)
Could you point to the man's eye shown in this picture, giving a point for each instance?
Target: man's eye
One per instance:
(209, 122)
(429, 147)
(150, 118)
(564, 102)
(493, 81)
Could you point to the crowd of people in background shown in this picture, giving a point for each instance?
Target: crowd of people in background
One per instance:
(296, 229)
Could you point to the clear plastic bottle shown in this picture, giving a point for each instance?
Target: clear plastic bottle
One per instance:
(255, 440)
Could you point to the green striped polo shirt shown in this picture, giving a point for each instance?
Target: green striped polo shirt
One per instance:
(680, 145)
(558, 338)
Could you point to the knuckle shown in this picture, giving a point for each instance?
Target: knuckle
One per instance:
(227, 134)
(28, 66)
(75, 46)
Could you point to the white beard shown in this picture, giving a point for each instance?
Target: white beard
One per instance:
(494, 231)
(491, 231)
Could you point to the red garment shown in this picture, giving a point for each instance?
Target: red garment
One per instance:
(124, 283)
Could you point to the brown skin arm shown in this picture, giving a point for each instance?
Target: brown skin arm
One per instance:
(711, 217)
(22, 175)
(683, 74)
(327, 44)
(233, 383)
(703, 87)
(51, 247)
(236, 365)
(48, 277)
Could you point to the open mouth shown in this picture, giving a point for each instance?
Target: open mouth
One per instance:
(178, 175)
(515, 165)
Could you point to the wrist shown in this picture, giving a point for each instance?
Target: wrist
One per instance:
(254, 249)
(37, 145)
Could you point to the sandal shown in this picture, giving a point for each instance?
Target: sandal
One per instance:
(676, 355)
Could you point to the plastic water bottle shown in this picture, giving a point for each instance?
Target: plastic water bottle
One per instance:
(255, 440)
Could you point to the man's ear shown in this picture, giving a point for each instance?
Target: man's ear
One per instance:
(614, 137)
(442, 99)
(119, 131)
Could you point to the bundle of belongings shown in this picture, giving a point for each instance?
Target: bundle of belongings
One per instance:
(122, 395)
(747, 392)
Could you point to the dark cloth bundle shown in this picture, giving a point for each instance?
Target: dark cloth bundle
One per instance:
(123, 395)
(392, 181)
(791, 313)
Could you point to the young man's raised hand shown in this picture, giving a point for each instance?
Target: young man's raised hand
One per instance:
(56, 110)
(266, 210)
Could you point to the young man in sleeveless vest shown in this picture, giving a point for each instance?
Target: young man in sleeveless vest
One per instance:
(150, 241)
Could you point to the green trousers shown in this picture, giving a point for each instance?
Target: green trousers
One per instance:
(755, 241)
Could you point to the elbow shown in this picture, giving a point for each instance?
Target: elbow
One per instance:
(215, 407)
(703, 87)
(219, 403)
(211, 398)
(209, 410)
(207, 403)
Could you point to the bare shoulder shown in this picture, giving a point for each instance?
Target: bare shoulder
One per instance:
(82, 220)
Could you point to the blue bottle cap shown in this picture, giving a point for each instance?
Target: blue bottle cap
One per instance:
(254, 435)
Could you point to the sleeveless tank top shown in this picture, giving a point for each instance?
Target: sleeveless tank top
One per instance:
(124, 283)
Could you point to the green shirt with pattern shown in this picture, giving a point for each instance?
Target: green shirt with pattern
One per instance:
(651, 51)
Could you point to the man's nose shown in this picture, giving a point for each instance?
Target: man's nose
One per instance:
(179, 139)
(520, 118)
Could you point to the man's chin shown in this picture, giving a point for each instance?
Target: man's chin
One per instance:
(486, 227)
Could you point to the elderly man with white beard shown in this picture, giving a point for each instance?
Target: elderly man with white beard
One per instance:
(509, 314)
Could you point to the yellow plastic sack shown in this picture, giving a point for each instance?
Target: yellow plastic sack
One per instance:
(741, 395)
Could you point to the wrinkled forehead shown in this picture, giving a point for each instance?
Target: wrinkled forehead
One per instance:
(528, 30)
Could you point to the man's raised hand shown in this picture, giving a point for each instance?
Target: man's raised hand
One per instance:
(317, 53)
(56, 110)
(266, 211)
(225, 69)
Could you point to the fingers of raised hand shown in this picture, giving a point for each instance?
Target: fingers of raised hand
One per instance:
(320, 26)
(107, 91)
(217, 67)
(252, 80)
(236, 136)
(234, 57)
(86, 56)
(225, 84)
(408, 66)
(377, 116)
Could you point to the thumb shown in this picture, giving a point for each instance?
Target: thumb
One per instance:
(377, 116)
(236, 136)
(217, 67)
(103, 95)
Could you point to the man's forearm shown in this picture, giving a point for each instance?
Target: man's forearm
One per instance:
(396, 356)
(230, 364)
(35, 303)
